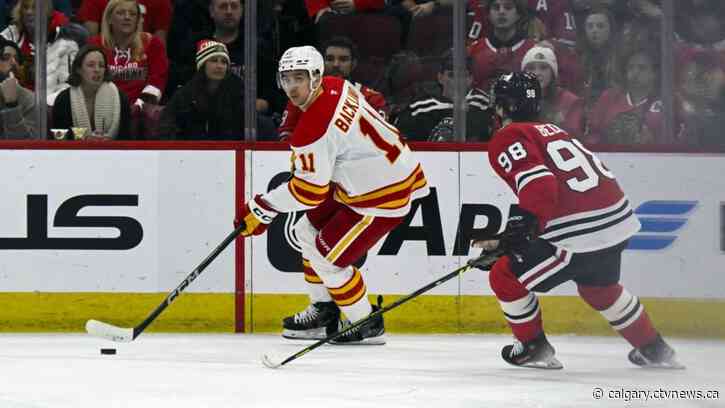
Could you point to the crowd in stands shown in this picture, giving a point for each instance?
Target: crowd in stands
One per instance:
(174, 69)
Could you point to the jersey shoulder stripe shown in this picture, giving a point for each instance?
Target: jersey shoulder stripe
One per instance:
(314, 122)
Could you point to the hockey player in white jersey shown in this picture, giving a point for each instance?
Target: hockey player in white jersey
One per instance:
(356, 178)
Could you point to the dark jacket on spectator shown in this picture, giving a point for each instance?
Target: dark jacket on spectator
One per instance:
(431, 119)
(184, 65)
(194, 114)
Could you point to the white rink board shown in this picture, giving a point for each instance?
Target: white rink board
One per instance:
(185, 208)
(692, 266)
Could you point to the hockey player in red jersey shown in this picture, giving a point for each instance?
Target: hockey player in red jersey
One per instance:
(572, 223)
(356, 178)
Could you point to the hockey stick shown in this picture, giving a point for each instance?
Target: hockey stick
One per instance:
(127, 335)
(483, 261)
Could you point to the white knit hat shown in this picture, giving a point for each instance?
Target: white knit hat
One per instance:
(210, 48)
(541, 54)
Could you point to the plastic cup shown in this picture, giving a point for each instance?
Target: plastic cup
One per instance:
(58, 134)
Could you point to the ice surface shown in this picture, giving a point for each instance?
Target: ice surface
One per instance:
(183, 370)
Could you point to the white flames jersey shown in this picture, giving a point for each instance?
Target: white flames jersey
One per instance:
(343, 148)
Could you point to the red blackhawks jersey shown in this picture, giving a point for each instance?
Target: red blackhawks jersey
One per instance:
(136, 75)
(576, 198)
(489, 61)
(342, 147)
(292, 113)
(556, 15)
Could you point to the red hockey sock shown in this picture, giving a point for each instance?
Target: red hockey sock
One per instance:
(622, 310)
(520, 307)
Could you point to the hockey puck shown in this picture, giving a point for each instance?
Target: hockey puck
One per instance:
(108, 351)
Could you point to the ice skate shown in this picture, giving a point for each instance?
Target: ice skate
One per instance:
(370, 333)
(537, 353)
(656, 354)
(316, 322)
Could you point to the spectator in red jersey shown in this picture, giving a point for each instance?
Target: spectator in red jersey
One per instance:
(136, 59)
(63, 42)
(155, 15)
(632, 113)
(558, 105)
(555, 16)
(503, 49)
(341, 58)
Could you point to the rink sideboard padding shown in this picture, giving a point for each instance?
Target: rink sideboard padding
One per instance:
(105, 230)
(214, 312)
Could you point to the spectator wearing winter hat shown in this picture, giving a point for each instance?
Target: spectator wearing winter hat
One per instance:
(211, 105)
(558, 105)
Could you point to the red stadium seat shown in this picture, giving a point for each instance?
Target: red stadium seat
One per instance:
(431, 35)
(370, 72)
(375, 35)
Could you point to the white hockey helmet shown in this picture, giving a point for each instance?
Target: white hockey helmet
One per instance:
(305, 58)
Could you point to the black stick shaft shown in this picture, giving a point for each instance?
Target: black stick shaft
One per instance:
(187, 281)
(376, 313)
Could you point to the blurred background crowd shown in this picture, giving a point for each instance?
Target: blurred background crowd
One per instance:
(618, 72)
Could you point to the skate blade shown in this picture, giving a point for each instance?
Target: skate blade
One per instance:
(551, 364)
(370, 341)
(642, 361)
(312, 334)
(671, 365)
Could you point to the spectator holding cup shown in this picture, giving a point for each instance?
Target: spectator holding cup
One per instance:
(93, 107)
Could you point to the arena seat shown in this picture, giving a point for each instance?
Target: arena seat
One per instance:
(375, 35)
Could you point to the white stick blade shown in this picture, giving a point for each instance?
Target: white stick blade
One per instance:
(109, 331)
(268, 362)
